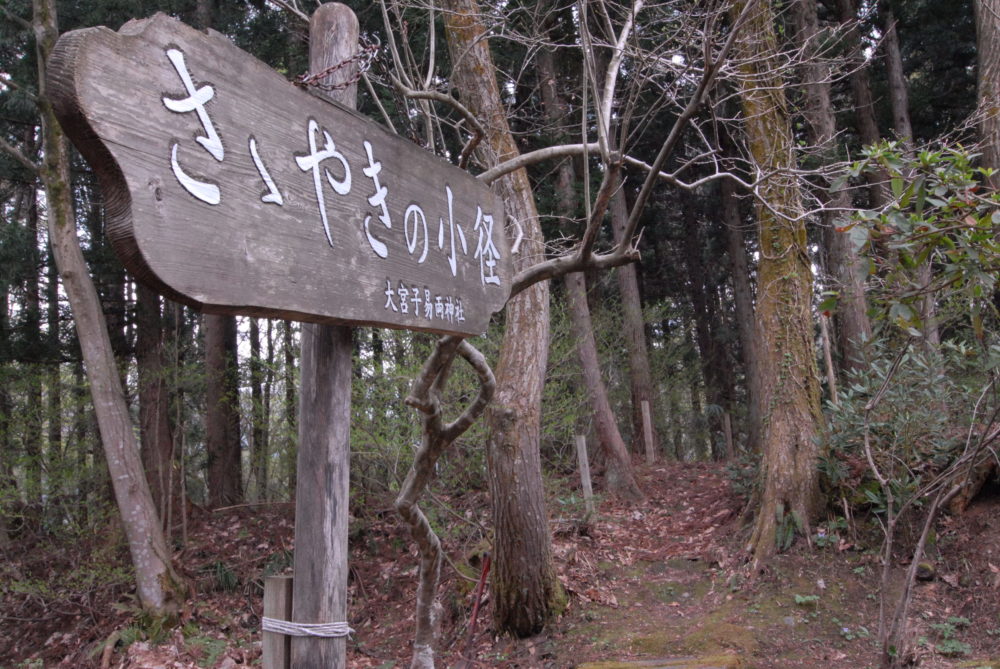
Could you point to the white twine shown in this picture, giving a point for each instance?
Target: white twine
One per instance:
(328, 630)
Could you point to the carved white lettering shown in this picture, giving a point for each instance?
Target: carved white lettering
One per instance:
(486, 249)
(206, 192)
(414, 220)
(195, 102)
(390, 294)
(403, 292)
(376, 200)
(452, 229)
(313, 160)
(273, 195)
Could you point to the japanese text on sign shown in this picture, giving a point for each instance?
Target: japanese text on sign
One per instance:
(236, 192)
(318, 159)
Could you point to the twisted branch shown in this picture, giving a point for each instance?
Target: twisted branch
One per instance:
(425, 396)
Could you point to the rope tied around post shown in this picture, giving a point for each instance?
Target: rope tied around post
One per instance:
(366, 53)
(289, 628)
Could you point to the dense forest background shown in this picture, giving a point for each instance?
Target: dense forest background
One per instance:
(771, 223)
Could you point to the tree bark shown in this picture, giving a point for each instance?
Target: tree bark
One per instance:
(83, 419)
(899, 97)
(790, 394)
(34, 354)
(618, 474)
(861, 91)
(159, 588)
(266, 411)
(258, 428)
(899, 100)
(155, 431)
(634, 332)
(743, 302)
(8, 483)
(988, 83)
(619, 477)
(700, 444)
(56, 465)
(525, 590)
(222, 419)
(847, 269)
(291, 407)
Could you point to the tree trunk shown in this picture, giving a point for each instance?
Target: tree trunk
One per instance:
(291, 408)
(988, 82)
(265, 490)
(34, 353)
(526, 592)
(619, 477)
(158, 587)
(743, 302)
(711, 351)
(861, 91)
(699, 444)
(8, 484)
(56, 465)
(899, 97)
(847, 270)
(899, 100)
(790, 394)
(222, 418)
(83, 418)
(155, 431)
(258, 428)
(618, 463)
(634, 332)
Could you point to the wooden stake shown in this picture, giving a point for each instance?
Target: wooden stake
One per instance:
(277, 648)
(321, 500)
(647, 433)
(727, 429)
(584, 463)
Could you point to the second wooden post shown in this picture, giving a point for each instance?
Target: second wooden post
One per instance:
(322, 488)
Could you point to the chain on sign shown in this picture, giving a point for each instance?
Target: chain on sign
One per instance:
(363, 58)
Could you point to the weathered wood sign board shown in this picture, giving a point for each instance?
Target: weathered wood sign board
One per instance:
(230, 189)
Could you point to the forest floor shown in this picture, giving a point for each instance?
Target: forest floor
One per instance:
(664, 579)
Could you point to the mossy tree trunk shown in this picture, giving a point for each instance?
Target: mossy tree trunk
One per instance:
(790, 394)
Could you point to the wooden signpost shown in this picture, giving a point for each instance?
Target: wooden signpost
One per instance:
(231, 190)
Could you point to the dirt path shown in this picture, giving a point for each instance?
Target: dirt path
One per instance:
(663, 580)
(668, 581)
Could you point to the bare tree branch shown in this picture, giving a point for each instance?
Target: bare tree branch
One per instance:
(537, 156)
(14, 18)
(378, 103)
(292, 9)
(5, 80)
(426, 397)
(19, 156)
(478, 132)
(709, 73)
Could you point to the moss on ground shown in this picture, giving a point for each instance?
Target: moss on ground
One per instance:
(718, 661)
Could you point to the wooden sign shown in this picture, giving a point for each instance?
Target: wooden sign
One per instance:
(230, 189)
